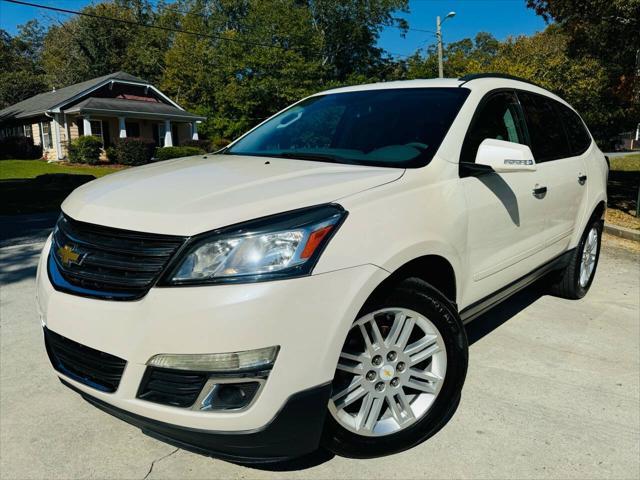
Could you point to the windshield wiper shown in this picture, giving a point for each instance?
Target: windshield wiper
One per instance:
(319, 157)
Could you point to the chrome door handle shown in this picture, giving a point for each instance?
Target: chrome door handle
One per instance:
(582, 179)
(539, 192)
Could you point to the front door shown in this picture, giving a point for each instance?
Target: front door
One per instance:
(506, 221)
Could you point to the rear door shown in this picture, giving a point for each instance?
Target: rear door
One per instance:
(558, 145)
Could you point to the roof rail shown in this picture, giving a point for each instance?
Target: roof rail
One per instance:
(474, 76)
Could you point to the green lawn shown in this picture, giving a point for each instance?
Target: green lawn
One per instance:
(628, 163)
(32, 168)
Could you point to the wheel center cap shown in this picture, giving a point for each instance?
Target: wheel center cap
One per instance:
(387, 372)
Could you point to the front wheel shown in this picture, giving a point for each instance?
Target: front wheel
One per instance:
(399, 375)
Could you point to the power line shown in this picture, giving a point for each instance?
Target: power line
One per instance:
(158, 27)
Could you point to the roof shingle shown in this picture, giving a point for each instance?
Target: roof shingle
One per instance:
(42, 102)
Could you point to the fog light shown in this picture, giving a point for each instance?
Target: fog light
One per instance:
(260, 359)
(229, 396)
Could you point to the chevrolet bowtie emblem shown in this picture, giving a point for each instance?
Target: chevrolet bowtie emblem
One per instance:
(68, 256)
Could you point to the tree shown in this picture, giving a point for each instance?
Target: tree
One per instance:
(608, 30)
(349, 31)
(87, 47)
(22, 75)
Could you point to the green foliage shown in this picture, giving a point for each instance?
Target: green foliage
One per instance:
(21, 74)
(131, 151)
(203, 144)
(542, 58)
(166, 153)
(254, 57)
(86, 47)
(608, 32)
(19, 148)
(85, 149)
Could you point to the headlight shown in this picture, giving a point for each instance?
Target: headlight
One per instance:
(279, 246)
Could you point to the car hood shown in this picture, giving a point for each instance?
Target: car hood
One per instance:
(192, 195)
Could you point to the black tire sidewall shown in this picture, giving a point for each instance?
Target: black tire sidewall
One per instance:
(428, 302)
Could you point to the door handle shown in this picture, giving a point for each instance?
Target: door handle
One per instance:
(582, 179)
(539, 192)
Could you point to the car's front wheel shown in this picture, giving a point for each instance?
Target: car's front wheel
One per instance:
(399, 375)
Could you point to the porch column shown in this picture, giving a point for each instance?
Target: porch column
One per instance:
(56, 136)
(194, 131)
(168, 139)
(86, 123)
(122, 127)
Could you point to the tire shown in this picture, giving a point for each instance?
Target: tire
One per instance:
(570, 282)
(430, 406)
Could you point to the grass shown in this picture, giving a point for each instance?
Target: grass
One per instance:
(628, 163)
(13, 169)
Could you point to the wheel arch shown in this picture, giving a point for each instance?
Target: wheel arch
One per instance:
(434, 269)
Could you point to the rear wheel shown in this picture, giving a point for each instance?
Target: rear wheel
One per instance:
(399, 375)
(576, 278)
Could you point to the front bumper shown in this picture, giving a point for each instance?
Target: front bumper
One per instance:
(293, 432)
(307, 317)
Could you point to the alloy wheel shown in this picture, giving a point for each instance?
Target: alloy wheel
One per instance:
(390, 372)
(588, 261)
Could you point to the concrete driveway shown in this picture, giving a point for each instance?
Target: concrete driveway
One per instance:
(552, 392)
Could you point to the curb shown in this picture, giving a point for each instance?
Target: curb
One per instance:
(622, 232)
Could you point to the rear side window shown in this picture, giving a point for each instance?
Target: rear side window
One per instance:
(579, 138)
(545, 125)
(498, 117)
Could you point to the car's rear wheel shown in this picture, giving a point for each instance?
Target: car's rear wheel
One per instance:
(576, 278)
(399, 375)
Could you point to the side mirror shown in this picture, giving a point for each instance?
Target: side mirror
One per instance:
(504, 157)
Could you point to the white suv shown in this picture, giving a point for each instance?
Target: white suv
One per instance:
(308, 285)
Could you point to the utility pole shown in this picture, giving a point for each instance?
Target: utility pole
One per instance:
(439, 37)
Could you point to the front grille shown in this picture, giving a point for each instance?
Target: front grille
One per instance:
(171, 387)
(84, 364)
(106, 262)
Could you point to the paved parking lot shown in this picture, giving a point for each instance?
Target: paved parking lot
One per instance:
(553, 391)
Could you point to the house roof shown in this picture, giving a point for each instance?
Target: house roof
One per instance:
(116, 106)
(43, 102)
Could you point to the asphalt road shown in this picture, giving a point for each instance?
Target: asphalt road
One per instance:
(552, 392)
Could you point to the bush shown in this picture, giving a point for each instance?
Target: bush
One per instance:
(85, 149)
(132, 151)
(202, 143)
(111, 154)
(166, 153)
(20, 148)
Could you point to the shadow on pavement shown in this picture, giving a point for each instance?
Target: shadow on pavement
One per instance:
(22, 229)
(18, 263)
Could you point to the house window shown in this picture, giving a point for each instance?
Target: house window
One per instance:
(45, 129)
(133, 129)
(27, 131)
(96, 130)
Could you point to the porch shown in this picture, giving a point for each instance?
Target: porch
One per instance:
(111, 119)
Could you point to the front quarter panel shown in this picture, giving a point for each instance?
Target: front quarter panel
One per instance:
(423, 213)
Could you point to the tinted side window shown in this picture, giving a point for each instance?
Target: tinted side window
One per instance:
(498, 117)
(579, 139)
(548, 138)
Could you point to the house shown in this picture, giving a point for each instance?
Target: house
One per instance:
(114, 106)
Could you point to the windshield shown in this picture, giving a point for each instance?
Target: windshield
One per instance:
(388, 127)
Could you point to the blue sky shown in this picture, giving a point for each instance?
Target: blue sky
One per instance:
(502, 18)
